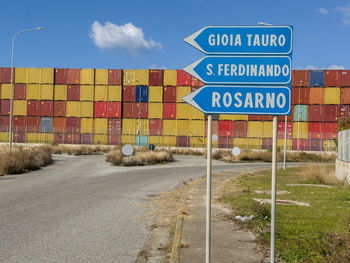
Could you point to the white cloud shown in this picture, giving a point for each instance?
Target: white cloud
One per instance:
(322, 11)
(336, 67)
(154, 66)
(345, 10)
(124, 37)
(311, 67)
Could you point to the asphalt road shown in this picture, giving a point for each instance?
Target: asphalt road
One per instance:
(81, 209)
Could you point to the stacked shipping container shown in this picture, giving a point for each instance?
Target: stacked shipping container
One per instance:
(100, 106)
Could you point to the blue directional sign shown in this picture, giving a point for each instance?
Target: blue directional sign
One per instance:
(242, 70)
(241, 100)
(243, 40)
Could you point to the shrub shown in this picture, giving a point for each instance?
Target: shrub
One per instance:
(132, 161)
(115, 157)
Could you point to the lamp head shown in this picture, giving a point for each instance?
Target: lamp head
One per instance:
(40, 28)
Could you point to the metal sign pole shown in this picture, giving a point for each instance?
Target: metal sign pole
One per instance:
(208, 212)
(285, 143)
(273, 188)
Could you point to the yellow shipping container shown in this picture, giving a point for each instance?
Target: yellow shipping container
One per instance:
(255, 129)
(101, 93)
(100, 139)
(34, 75)
(300, 130)
(242, 143)
(86, 109)
(101, 76)
(40, 76)
(240, 117)
(196, 114)
(183, 111)
(170, 77)
(143, 126)
(60, 92)
(47, 76)
(155, 94)
(155, 110)
(87, 76)
(128, 139)
(228, 117)
(332, 95)
(197, 142)
(46, 92)
(86, 92)
(129, 77)
(329, 145)
(267, 129)
(141, 76)
(4, 136)
(73, 109)
(215, 143)
(169, 127)
(115, 93)
(169, 141)
(21, 75)
(183, 127)
(87, 125)
(129, 126)
(182, 91)
(280, 143)
(197, 128)
(33, 92)
(39, 137)
(100, 125)
(254, 143)
(5, 91)
(156, 140)
(20, 107)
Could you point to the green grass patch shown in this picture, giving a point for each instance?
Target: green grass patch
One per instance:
(319, 233)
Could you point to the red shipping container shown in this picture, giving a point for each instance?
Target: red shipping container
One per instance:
(214, 128)
(72, 138)
(59, 124)
(19, 137)
(58, 138)
(115, 109)
(331, 113)
(114, 139)
(183, 141)
(128, 110)
(267, 117)
(332, 78)
(345, 95)
(155, 127)
(196, 83)
(316, 130)
(73, 92)
(330, 131)
(19, 124)
(141, 110)
(33, 107)
(129, 93)
(114, 126)
(344, 112)
(300, 95)
(59, 108)
(73, 125)
(4, 123)
(100, 109)
(267, 143)
(87, 138)
(316, 113)
(5, 75)
(61, 76)
(240, 129)
(155, 77)
(169, 110)
(33, 124)
(169, 94)
(281, 126)
(300, 78)
(5, 107)
(46, 108)
(183, 78)
(255, 117)
(114, 77)
(344, 78)
(225, 142)
(289, 117)
(73, 76)
(316, 145)
(20, 92)
(225, 128)
(300, 144)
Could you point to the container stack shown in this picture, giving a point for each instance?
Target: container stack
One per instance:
(141, 107)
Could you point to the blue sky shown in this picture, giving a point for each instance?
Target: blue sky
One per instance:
(143, 34)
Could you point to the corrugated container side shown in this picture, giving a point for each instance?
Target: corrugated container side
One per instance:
(300, 96)
(155, 77)
(170, 127)
(101, 93)
(73, 109)
(129, 93)
(141, 140)
(225, 128)
(155, 93)
(115, 77)
(169, 94)
(141, 76)
(72, 138)
(114, 110)
(254, 143)
(281, 126)
(73, 92)
(169, 110)
(141, 94)
(316, 130)
(228, 117)
(344, 78)
(240, 129)
(183, 127)
(300, 144)
(155, 110)
(141, 110)
(289, 117)
(240, 117)
(46, 124)
(255, 129)
(300, 130)
(280, 143)
(86, 125)
(5, 107)
(128, 139)
(183, 78)
(170, 77)
(5, 75)
(114, 93)
(101, 77)
(86, 93)
(60, 92)
(214, 128)
(182, 91)
(86, 109)
(19, 137)
(142, 127)
(6, 91)
(344, 112)
(73, 76)
(87, 138)
(300, 112)
(100, 109)
(21, 75)
(33, 92)
(73, 125)
(46, 92)
(169, 141)
(19, 108)
(255, 117)
(300, 78)
(46, 108)
(315, 145)
(61, 76)
(19, 124)
(266, 143)
(267, 129)
(225, 142)
(316, 78)
(331, 113)
(33, 124)
(316, 95)
(196, 83)
(240, 142)
(129, 126)
(100, 126)
(34, 75)
(183, 111)
(345, 95)
(114, 140)
(332, 95)
(47, 76)
(196, 114)
(155, 127)
(331, 78)
(129, 78)
(87, 76)
(33, 108)
(114, 126)
(330, 131)
(4, 123)
(197, 142)
(59, 124)
(183, 141)
(128, 110)
(20, 92)
(316, 113)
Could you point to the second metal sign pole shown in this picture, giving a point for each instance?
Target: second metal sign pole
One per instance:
(273, 188)
(208, 212)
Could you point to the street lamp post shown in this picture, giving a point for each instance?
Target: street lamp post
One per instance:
(12, 80)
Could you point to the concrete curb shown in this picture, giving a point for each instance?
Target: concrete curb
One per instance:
(175, 250)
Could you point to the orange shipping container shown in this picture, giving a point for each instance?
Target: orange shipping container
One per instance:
(345, 95)
(316, 95)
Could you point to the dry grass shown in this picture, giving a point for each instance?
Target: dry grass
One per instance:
(24, 159)
(182, 151)
(82, 150)
(321, 174)
(115, 157)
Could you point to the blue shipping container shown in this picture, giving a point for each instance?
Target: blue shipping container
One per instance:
(141, 140)
(316, 78)
(46, 124)
(300, 113)
(141, 94)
